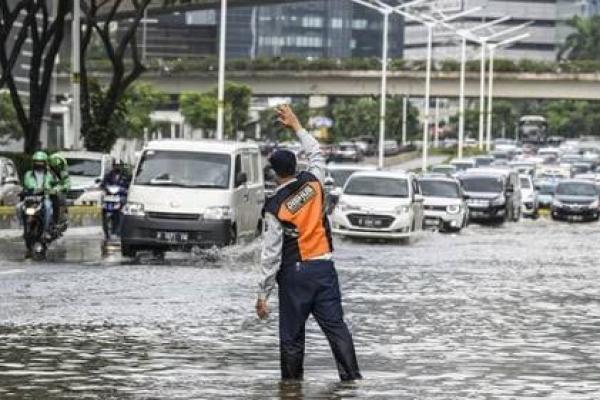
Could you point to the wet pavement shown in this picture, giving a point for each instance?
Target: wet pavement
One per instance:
(507, 312)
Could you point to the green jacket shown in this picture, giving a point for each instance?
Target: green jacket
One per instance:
(61, 174)
(47, 185)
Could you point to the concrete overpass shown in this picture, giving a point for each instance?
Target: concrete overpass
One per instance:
(366, 83)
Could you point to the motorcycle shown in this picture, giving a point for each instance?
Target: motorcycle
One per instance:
(33, 212)
(113, 200)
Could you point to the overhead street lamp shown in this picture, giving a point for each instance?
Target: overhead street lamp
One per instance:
(221, 79)
(492, 49)
(385, 10)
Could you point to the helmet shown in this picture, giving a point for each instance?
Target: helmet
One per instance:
(40, 156)
(56, 161)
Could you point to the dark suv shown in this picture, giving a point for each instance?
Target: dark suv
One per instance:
(575, 200)
(492, 194)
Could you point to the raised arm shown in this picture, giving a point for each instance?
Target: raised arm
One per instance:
(316, 161)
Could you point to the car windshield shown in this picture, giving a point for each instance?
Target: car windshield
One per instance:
(545, 189)
(482, 184)
(184, 169)
(381, 187)
(347, 147)
(84, 167)
(484, 162)
(443, 170)
(462, 166)
(525, 183)
(435, 188)
(576, 189)
(340, 176)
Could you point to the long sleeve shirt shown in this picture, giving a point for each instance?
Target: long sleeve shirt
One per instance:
(273, 229)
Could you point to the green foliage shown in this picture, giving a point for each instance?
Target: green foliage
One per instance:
(130, 119)
(505, 116)
(571, 118)
(584, 42)
(272, 129)
(449, 65)
(10, 129)
(200, 109)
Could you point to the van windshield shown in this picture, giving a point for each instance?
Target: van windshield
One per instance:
(84, 167)
(184, 169)
(340, 176)
(576, 189)
(439, 188)
(381, 187)
(482, 184)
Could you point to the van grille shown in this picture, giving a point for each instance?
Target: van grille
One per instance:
(177, 216)
(371, 221)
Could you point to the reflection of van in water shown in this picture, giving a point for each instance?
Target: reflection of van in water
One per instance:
(187, 194)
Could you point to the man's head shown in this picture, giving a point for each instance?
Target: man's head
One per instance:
(40, 161)
(56, 162)
(283, 163)
(116, 167)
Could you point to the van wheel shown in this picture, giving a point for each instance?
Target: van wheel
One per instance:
(233, 237)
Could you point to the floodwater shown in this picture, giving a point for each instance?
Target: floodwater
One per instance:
(507, 312)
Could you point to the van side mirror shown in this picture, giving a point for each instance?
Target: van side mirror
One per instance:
(240, 179)
(98, 181)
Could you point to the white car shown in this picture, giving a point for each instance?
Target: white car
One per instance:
(463, 164)
(338, 174)
(86, 170)
(529, 198)
(444, 205)
(193, 194)
(378, 204)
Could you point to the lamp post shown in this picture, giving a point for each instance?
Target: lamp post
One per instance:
(76, 73)
(221, 81)
(492, 49)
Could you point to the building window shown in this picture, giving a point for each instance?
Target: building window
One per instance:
(337, 23)
(309, 21)
(359, 24)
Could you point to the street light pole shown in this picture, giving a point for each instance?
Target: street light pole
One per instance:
(482, 94)
(383, 95)
(76, 73)
(461, 100)
(436, 140)
(404, 117)
(221, 82)
(427, 94)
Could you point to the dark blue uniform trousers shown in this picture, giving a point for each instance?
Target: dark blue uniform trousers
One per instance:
(312, 288)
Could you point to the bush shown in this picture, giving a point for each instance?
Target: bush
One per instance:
(505, 65)
(536, 67)
(449, 66)
(397, 64)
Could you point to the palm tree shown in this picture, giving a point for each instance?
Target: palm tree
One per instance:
(584, 42)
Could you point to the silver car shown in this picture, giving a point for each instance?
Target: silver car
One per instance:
(444, 206)
(9, 183)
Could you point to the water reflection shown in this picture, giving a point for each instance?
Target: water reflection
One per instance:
(492, 313)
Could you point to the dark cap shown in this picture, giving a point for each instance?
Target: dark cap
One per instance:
(283, 163)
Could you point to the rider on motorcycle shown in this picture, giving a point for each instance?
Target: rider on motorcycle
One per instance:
(39, 180)
(59, 167)
(116, 177)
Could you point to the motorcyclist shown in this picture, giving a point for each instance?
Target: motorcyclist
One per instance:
(59, 168)
(39, 180)
(115, 177)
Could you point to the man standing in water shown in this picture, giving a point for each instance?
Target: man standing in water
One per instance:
(297, 255)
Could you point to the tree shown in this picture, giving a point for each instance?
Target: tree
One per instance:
(9, 123)
(31, 22)
(200, 109)
(98, 107)
(139, 102)
(584, 42)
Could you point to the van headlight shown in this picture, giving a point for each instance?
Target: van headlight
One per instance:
(453, 209)
(594, 204)
(134, 209)
(402, 210)
(221, 212)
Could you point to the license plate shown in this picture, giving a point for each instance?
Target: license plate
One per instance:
(173, 237)
(477, 214)
(112, 199)
(432, 222)
(30, 211)
(577, 217)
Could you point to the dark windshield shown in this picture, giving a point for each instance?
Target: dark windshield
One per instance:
(462, 166)
(576, 189)
(340, 177)
(525, 183)
(184, 169)
(435, 188)
(483, 162)
(483, 184)
(444, 170)
(84, 167)
(382, 187)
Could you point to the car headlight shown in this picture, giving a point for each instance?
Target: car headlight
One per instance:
(453, 209)
(594, 204)
(343, 206)
(556, 203)
(499, 201)
(402, 209)
(221, 212)
(135, 209)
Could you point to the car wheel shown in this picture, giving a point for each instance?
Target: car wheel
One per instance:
(128, 251)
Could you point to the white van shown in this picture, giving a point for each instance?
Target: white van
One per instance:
(187, 194)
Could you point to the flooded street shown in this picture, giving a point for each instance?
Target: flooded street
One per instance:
(492, 313)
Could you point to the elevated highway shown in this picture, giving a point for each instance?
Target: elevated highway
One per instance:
(366, 83)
